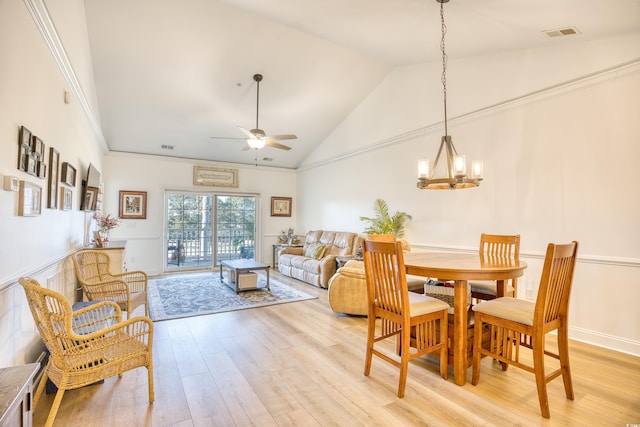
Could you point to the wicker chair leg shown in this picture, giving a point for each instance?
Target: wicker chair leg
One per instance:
(40, 389)
(152, 395)
(54, 408)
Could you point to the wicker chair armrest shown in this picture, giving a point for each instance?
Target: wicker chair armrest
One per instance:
(100, 313)
(138, 327)
(108, 290)
(137, 280)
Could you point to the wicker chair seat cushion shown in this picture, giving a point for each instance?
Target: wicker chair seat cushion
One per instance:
(516, 310)
(489, 287)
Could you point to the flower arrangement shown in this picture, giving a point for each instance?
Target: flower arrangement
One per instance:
(288, 237)
(105, 223)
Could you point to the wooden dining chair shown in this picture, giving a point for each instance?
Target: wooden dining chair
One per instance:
(417, 321)
(516, 323)
(128, 289)
(496, 246)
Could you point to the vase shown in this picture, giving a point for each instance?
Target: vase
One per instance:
(104, 235)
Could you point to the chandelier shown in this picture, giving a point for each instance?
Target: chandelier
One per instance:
(456, 163)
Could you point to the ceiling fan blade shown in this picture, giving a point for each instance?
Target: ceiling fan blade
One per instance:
(276, 145)
(247, 132)
(225, 137)
(280, 137)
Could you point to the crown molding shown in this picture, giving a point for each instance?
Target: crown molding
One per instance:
(41, 17)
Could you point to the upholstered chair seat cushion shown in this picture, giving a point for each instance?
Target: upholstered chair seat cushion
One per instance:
(516, 310)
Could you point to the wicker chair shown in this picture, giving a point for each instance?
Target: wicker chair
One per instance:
(417, 321)
(516, 323)
(87, 345)
(128, 290)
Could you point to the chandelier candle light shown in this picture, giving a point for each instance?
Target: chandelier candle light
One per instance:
(456, 163)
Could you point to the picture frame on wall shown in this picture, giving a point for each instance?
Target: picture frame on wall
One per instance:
(52, 188)
(281, 206)
(90, 199)
(24, 148)
(30, 199)
(42, 169)
(37, 147)
(32, 164)
(133, 204)
(68, 174)
(66, 199)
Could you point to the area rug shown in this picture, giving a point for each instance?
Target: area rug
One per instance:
(195, 295)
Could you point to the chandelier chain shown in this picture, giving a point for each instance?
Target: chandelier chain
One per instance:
(444, 66)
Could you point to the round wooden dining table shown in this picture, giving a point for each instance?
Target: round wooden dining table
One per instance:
(462, 267)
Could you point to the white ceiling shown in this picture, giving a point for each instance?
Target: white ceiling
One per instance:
(176, 72)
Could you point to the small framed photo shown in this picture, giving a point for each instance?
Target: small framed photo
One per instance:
(68, 175)
(30, 199)
(133, 204)
(90, 199)
(42, 169)
(52, 188)
(32, 164)
(281, 206)
(37, 147)
(24, 148)
(66, 199)
(97, 239)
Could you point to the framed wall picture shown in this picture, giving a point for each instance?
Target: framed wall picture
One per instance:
(66, 199)
(68, 174)
(37, 147)
(24, 148)
(42, 169)
(215, 177)
(281, 206)
(133, 204)
(30, 199)
(32, 164)
(90, 199)
(52, 188)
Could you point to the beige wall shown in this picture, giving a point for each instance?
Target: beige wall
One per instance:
(544, 156)
(560, 164)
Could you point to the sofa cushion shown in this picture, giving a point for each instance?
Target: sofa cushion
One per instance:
(315, 251)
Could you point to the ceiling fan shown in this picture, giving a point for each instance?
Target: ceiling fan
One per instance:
(257, 138)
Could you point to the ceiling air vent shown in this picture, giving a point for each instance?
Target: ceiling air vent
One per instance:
(166, 147)
(567, 31)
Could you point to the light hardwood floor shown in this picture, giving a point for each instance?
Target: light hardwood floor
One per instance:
(300, 364)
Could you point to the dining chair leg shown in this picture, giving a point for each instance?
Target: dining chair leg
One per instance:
(538, 368)
(444, 352)
(404, 360)
(477, 342)
(371, 328)
(563, 353)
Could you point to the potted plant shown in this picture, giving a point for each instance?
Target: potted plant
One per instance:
(383, 223)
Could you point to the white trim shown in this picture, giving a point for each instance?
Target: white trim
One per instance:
(45, 25)
(618, 72)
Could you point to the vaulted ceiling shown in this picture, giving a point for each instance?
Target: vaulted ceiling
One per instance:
(170, 74)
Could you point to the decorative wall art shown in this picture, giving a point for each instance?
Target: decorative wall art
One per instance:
(215, 177)
(90, 199)
(68, 174)
(37, 147)
(66, 199)
(281, 206)
(30, 199)
(52, 188)
(24, 148)
(133, 204)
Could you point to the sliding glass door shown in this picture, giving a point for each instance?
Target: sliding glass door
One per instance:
(204, 228)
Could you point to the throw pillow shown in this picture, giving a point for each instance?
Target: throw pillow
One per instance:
(315, 251)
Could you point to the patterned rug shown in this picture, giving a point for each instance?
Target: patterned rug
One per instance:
(195, 295)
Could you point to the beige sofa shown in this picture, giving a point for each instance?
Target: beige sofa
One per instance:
(293, 262)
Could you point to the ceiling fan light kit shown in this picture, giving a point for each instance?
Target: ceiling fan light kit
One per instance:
(257, 138)
(456, 163)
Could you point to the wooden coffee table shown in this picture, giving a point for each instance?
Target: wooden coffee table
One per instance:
(239, 266)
